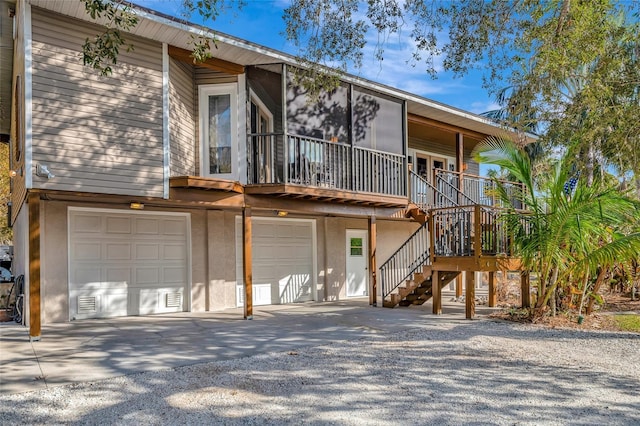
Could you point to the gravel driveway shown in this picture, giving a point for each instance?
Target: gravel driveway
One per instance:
(474, 372)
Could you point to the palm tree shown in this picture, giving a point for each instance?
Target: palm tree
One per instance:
(565, 235)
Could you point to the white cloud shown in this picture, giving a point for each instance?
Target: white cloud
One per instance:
(480, 107)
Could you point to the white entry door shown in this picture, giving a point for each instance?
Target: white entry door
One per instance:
(357, 263)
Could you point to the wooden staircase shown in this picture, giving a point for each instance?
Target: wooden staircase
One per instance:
(418, 289)
(416, 213)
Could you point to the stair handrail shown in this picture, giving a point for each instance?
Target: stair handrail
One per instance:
(459, 194)
(422, 188)
(411, 256)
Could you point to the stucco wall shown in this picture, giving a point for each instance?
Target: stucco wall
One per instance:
(213, 255)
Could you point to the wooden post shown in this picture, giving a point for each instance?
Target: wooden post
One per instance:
(470, 295)
(247, 274)
(35, 324)
(477, 232)
(409, 187)
(460, 162)
(525, 290)
(459, 284)
(459, 152)
(492, 289)
(436, 293)
(373, 276)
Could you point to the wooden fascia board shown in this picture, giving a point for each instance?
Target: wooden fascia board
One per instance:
(424, 121)
(215, 64)
(471, 263)
(206, 183)
(333, 194)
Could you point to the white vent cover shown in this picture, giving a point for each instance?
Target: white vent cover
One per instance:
(87, 304)
(173, 300)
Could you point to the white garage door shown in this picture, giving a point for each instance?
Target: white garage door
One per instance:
(127, 263)
(283, 260)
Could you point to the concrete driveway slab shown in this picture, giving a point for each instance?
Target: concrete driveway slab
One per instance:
(90, 350)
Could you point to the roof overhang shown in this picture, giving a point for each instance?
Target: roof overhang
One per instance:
(179, 33)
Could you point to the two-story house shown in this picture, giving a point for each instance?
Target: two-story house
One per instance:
(172, 186)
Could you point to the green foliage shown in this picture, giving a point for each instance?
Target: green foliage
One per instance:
(565, 238)
(203, 44)
(102, 52)
(6, 233)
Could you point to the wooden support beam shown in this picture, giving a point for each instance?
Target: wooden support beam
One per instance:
(470, 296)
(492, 290)
(215, 64)
(460, 153)
(460, 163)
(525, 289)
(247, 273)
(436, 293)
(373, 294)
(35, 321)
(459, 280)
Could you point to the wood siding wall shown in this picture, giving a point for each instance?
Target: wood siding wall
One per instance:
(205, 76)
(182, 119)
(96, 134)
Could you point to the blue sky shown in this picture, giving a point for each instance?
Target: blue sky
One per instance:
(260, 21)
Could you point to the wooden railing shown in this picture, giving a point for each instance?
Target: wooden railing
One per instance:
(477, 189)
(301, 160)
(410, 257)
(473, 230)
(448, 187)
(425, 195)
(379, 172)
(316, 162)
(262, 158)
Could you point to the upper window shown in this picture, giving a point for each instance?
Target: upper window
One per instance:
(218, 129)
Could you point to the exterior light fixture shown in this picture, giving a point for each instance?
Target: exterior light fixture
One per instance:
(281, 213)
(14, 173)
(136, 206)
(42, 170)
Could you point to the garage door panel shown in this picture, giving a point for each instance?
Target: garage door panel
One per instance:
(147, 276)
(148, 251)
(87, 251)
(86, 224)
(174, 274)
(89, 278)
(117, 276)
(173, 227)
(174, 252)
(146, 226)
(118, 225)
(129, 266)
(118, 251)
(282, 260)
(149, 301)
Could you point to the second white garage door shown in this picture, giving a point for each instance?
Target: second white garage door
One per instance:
(127, 263)
(283, 253)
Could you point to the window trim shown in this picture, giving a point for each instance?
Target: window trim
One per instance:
(204, 91)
